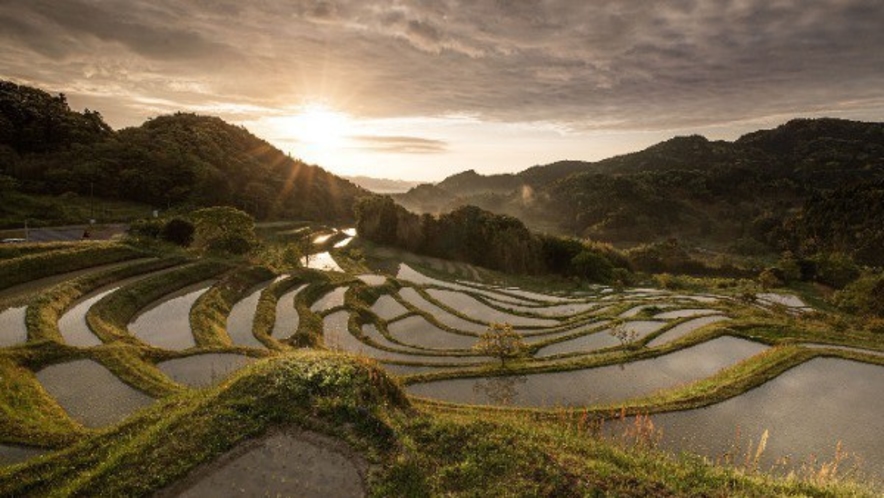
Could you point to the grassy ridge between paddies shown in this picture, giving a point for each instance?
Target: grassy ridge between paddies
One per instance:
(28, 415)
(208, 317)
(265, 313)
(9, 251)
(123, 353)
(44, 312)
(411, 452)
(44, 264)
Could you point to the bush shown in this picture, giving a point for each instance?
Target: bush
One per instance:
(863, 296)
(770, 278)
(224, 229)
(146, 228)
(592, 266)
(178, 231)
(835, 269)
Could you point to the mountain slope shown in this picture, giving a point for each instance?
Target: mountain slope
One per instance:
(176, 160)
(710, 192)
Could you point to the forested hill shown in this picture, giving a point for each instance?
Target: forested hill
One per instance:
(762, 191)
(174, 160)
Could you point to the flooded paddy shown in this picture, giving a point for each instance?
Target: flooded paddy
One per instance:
(871, 352)
(13, 329)
(287, 319)
(559, 310)
(166, 324)
(601, 339)
(333, 299)
(204, 370)
(685, 313)
(306, 465)
(337, 335)
(409, 274)
(637, 310)
(387, 308)
(372, 280)
(322, 261)
(806, 411)
(90, 393)
(597, 385)
(788, 300)
(684, 329)
(12, 454)
(442, 316)
(242, 318)
(406, 354)
(478, 310)
(416, 331)
(73, 326)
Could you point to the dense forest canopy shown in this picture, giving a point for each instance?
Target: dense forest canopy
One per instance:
(479, 237)
(175, 160)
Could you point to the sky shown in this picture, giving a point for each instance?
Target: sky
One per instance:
(424, 89)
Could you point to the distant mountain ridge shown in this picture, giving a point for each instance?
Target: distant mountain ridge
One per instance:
(688, 187)
(174, 160)
(382, 185)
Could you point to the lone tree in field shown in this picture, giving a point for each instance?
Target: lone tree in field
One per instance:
(502, 342)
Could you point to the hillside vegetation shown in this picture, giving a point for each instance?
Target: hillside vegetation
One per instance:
(806, 186)
(180, 160)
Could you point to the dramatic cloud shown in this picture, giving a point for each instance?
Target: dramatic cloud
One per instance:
(600, 65)
(402, 145)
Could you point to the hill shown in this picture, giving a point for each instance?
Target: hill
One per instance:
(754, 191)
(180, 160)
(382, 185)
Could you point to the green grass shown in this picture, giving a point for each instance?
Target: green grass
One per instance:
(413, 452)
(37, 265)
(208, 317)
(67, 209)
(414, 447)
(44, 312)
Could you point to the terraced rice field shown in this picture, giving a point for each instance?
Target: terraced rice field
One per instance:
(593, 350)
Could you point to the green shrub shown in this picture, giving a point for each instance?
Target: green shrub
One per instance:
(864, 295)
(178, 231)
(34, 266)
(835, 269)
(592, 266)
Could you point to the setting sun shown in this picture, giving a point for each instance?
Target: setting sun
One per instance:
(317, 126)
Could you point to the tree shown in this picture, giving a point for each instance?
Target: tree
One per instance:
(624, 335)
(502, 342)
(178, 231)
(768, 279)
(304, 247)
(224, 229)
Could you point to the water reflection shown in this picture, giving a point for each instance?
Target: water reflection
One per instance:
(500, 391)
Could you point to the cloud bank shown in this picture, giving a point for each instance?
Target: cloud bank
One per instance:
(607, 64)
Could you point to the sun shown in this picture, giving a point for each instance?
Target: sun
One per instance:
(318, 126)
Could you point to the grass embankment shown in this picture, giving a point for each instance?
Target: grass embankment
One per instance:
(128, 357)
(9, 251)
(412, 452)
(44, 264)
(29, 414)
(265, 314)
(309, 333)
(208, 317)
(43, 313)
